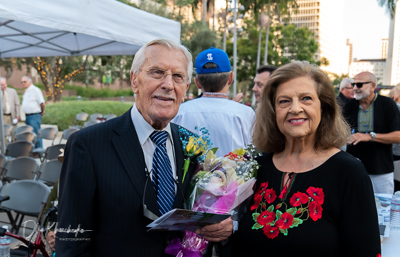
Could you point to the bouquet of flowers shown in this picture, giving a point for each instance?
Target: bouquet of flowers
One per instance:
(219, 187)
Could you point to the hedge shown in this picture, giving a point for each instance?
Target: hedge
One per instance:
(63, 114)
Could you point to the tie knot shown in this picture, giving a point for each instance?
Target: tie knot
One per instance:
(159, 137)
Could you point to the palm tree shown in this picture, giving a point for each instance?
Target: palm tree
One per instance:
(264, 10)
(390, 4)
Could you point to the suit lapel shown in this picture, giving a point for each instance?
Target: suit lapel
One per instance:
(129, 150)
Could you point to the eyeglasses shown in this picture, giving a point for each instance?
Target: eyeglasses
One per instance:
(348, 88)
(360, 84)
(23, 82)
(162, 74)
(146, 212)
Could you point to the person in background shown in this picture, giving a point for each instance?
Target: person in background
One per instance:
(118, 176)
(312, 199)
(11, 104)
(33, 106)
(346, 92)
(263, 74)
(375, 122)
(395, 95)
(228, 122)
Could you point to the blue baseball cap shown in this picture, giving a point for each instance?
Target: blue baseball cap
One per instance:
(215, 56)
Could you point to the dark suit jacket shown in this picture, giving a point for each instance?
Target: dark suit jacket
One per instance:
(101, 188)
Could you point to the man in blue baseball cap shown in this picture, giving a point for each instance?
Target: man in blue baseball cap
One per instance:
(228, 122)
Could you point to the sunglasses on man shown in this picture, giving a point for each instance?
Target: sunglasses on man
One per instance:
(360, 84)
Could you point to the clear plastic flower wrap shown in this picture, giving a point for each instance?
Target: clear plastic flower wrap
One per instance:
(221, 185)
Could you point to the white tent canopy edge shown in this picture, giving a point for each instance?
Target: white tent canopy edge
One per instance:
(31, 28)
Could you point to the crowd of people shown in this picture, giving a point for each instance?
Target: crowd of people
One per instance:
(311, 198)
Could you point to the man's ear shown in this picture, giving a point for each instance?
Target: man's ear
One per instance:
(133, 80)
(198, 85)
(230, 80)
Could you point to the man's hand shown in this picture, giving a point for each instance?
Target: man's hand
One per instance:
(217, 232)
(238, 98)
(358, 137)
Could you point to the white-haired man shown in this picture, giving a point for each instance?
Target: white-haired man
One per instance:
(345, 92)
(112, 183)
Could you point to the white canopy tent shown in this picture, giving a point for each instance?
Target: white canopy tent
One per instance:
(30, 28)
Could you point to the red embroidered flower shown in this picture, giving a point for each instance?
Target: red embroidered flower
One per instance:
(298, 198)
(316, 194)
(315, 211)
(265, 217)
(257, 200)
(262, 187)
(285, 221)
(270, 195)
(271, 232)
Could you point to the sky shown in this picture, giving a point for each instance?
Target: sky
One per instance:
(365, 24)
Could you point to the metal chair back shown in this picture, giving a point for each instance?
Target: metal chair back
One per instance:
(49, 172)
(27, 197)
(19, 168)
(95, 116)
(26, 136)
(19, 148)
(66, 133)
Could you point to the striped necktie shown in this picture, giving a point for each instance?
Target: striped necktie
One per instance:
(163, 181)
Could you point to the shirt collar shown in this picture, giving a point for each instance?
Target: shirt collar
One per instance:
(143, 128)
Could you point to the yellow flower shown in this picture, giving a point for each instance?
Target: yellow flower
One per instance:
(239, 151)
(196, 146)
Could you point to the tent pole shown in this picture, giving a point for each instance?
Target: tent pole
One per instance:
(3, 150)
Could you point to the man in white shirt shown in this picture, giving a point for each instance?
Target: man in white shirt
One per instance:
(228, 122)
(33, 106)
(11, 104)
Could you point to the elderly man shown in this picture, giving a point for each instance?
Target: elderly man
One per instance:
(228, 122)
(120, 174)
(263, 74)
(33, 106)
(375, 123)
(346, 92)
(11, 105)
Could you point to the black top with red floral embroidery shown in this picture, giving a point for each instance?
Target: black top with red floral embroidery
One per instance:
(327, 211)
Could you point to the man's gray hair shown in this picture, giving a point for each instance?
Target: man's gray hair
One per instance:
(3, 79)
(28, 78)
(140, 56)
(345, 82)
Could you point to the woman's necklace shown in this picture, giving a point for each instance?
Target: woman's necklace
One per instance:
(286, 185)
(215, 95)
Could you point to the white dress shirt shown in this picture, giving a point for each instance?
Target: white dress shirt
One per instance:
(228, 122)
(144, 130)
(32, 99)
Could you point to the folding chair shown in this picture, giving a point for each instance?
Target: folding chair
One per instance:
(26, 136)
(27, 197)
(19, 168)
(19, 148)
(8, 128)
(21, 129)
(66, 133)
(3, 159)
(109, 116)
(95, 116)
(48, 134)
(80, 117)
(49, 172)
(89, 123)
(52, 152)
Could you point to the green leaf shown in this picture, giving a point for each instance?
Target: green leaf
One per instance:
(278, 214)
(296, 222)
(257, 226)
(255, 216)
(270, 208)
(284, 231)
(292, 211)
(214, 149)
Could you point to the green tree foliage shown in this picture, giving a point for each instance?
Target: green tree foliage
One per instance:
(390, 4)
(291, 43)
